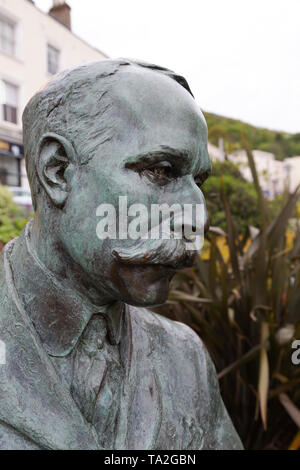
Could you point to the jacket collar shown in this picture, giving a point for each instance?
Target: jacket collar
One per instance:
(36, 402)
(58, 312)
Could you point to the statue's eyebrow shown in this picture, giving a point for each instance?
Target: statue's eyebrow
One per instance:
(139, 162)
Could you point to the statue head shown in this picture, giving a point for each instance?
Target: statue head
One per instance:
(106, 130)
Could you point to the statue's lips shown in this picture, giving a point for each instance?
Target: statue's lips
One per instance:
(172, 254)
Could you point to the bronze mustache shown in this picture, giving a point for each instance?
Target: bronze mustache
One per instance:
(172, 253)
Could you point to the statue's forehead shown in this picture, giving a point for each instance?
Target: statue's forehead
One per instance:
(138, 89)
(144, 99)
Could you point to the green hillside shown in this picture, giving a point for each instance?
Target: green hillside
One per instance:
(282, 144)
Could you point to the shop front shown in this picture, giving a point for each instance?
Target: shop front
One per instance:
(11, 155)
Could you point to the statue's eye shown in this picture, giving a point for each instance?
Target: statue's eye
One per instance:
(161, 172)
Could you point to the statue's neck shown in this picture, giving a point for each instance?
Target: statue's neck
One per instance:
(51, 253)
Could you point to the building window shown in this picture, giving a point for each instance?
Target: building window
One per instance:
(52, 59)
(9, 170)
(9, 102)
(7, 36)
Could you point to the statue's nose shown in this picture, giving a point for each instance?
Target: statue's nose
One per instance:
(195, 196)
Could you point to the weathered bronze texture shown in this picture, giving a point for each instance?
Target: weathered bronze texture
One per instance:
(88, 366)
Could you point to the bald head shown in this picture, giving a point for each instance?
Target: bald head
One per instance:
(82, 105)
(103, 131)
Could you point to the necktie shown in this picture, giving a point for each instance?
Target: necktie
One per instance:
(95, 375)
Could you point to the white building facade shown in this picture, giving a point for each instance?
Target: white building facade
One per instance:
(275, 176)
(33, 47)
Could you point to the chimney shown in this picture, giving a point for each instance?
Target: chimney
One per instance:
(61, 11)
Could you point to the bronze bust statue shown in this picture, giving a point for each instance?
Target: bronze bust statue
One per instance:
(88, 366)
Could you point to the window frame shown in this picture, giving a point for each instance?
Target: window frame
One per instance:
(9, 109)
(51, 48)
(13, 52)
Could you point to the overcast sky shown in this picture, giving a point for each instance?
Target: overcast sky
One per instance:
(240, 57)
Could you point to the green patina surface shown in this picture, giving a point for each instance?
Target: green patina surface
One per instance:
(88, 366)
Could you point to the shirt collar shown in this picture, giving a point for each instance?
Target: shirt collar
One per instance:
(58, 312)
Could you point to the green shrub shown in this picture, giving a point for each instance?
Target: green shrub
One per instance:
(12, 218)
(240, 193)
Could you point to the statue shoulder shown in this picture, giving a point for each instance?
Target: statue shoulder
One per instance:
(2, 282)
(6, 283)
(172, 332)
(185, 353)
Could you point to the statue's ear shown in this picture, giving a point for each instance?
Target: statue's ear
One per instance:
(56, 154)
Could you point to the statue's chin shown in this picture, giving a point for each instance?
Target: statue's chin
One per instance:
(147, 299)
(147, 290)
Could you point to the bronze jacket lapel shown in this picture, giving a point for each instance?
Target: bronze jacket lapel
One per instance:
(33, 400)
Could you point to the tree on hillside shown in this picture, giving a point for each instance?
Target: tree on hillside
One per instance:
(281, 144)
